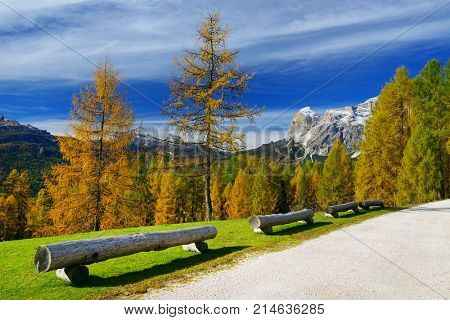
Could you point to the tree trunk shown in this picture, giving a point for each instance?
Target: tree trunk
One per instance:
(208, 201)
(82, 252)
(265, 223)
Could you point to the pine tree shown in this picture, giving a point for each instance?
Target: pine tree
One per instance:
(239, 204)
(166, 203)
(425, 167)
(385, 138)
(263, 196)
(336, 183)
(101, 130)
(204, 99)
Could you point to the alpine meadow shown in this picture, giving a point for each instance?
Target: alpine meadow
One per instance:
(110, 192)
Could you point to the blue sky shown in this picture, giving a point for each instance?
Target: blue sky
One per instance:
(295, 47)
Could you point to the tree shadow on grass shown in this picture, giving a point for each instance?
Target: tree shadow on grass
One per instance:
(161, 269)
(299, 228)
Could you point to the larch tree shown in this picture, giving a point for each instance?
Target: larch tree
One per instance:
(263, 195)
(204, 101)
(385, 138)
(239, 204)
(37, 219)
(285, 193)
(314, 186)
(336, 183)
(166, 202)
(425, 172)
(84, 185)
(217, 199)
(17, 195)
(9, 223)
(226, 195)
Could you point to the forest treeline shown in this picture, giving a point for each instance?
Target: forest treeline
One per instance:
(102, 184)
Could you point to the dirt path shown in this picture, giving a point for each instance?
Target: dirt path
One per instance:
(402, 255)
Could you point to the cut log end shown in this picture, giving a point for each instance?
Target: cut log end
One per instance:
(254, 222)
(76, 275)
(199, 247)
(42, 259)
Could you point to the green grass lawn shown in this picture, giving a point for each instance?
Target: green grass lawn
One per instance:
(135, 274)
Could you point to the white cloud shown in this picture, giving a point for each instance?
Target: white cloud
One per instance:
(143, 37)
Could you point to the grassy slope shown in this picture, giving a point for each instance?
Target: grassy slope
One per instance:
(135, 274)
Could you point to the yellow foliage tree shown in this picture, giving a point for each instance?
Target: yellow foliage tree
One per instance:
(263, 196)
(336, 183)
(16, 196)
(38, 215)
(239, 204)
(84, 188)
(166, 202)
(384, 141)
(204, 99)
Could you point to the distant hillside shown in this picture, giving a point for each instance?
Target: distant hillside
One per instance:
(24, 147)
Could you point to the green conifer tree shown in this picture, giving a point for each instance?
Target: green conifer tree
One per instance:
(385, 138)
(336, 183)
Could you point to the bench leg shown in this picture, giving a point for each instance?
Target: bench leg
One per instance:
(76, 275)
(334, 215)
(265, 230)
(199, 247)
(309, 220)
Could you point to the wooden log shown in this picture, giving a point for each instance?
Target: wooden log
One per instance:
(366, 204)
(265, 223)
(83, 252)
(199, 247)
(76, 275)
(334, 210)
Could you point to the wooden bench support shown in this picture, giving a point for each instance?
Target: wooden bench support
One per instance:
(199, 247)
(76, 275)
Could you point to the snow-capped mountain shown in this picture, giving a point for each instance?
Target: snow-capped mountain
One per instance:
(316, 134)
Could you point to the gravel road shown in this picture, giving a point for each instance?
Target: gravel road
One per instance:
(402, 255)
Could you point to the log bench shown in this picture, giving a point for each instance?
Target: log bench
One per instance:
(367, 204)
(70, 258)
(333, 211)
(264, 224)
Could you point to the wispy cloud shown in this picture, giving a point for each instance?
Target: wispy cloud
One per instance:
(143, 36)
(294, 46)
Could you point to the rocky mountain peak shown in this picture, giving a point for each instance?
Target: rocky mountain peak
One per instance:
(317, 133)
(302, 122)
(6, 123)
